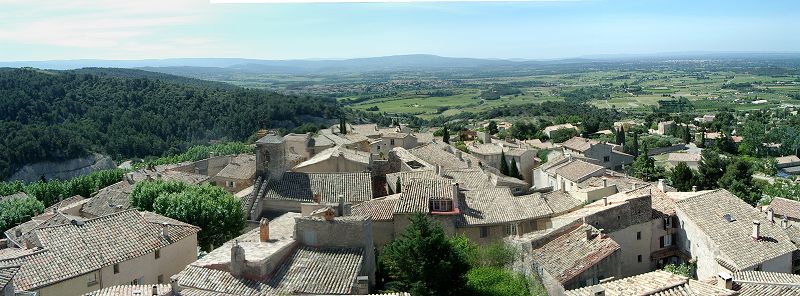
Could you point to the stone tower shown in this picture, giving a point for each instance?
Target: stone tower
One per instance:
(270, 157)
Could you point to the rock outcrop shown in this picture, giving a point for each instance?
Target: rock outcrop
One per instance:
(63, 169)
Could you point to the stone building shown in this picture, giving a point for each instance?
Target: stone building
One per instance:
(600, 153)
(336, 160)
(293, 254)
(725, 234)
(491, 154)
(653, 283)
(86, 255)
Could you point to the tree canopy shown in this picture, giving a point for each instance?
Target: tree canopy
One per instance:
(58, 115)
(214, 210)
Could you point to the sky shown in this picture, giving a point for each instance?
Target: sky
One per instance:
(146, 29)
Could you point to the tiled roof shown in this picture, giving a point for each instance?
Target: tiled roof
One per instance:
(485, 149)
(578, 170)
(561, 202)
(75, 249)
(380, 209)
(469, 179)
(558, 127)
(444, 155)
(109, 200)
(658, 282)
(663, 206)
(498, 206)
(684, 157)
(787, 159)
(416, 195)
(579, 144)
(307, 270)
(763, 283)
(337, 152)
(406, 177)
(570, 254)
(765, 277)
(356, 187)
(10, 253)
(733, 239)
(22, 232)
(241, 167)
(62, 204)
(7, 274)
(133, 290)
(785, 207)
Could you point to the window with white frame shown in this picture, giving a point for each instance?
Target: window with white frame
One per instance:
(441, 205)
(511, 229)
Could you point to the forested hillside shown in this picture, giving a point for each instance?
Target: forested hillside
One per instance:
(54, 115)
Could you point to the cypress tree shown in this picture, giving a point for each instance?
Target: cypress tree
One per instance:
(513, 171)
(446, 135)
(342, 126)
(397, 186)
(687, 137)
(503, 163)
(635, 144)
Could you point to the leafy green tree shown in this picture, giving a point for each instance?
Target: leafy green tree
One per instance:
(738, 179)
(492, 128)
(16, 211)
(513, 171)
(688, 270)
(218, 214)
(494, 281)
(644, 167)
(503, 164)
(562, 134)
(423, 261)
(50, 192)
(711, 168)
(682, 177)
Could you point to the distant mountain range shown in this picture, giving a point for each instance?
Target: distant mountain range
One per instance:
(387, 63)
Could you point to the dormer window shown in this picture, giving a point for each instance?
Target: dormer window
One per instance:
(441, 205)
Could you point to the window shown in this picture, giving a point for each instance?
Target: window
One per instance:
(484, 231)
(230, 184)
(391, 142)
(667, 240)
(136, 281)
(667, 223)
(606, 158)
(91, 279)
(160, 278)
(639, 258)
(158, 254)
(639, 236)
(116, 268)
(439, 205)
(511, 229)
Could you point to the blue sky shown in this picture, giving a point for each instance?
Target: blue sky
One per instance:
(90, 29)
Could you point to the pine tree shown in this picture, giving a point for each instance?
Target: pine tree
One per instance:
(687, 137)
(492, 128)
(446, 135)
(503, 163)
(513, 171)
(682, 177)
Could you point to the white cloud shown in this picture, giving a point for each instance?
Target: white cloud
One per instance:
(122, 29)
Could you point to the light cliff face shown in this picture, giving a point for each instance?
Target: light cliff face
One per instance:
(63, 169)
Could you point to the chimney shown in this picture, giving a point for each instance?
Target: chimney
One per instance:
(458, 153)
(756, 228)
(340, 197)
(455, 195)
(725, 280)
(165, 230)
(237, 259)
(589, 234)
(598, 291)
(173, 283)
(469, 163)
(694, 188)
(771, 215)
(662, 186)
(563, 186)
(155, 290)
(439, 170)
(328, 215)
(263, 230)
(633, 186)
(362, 285)
(605, 182)
(605, 201)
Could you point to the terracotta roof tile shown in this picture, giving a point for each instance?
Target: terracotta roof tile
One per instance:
(658, 282)
(380, 209)
(498, 206)
(570, 254)
(785, 207)
(356, 187)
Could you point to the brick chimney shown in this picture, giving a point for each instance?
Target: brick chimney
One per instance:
(238, 260)
(725, 280)
(771, 215)
(328, 214)
(756, 229)
(263, 230)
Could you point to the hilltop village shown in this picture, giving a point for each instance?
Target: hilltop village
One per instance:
(319, 207)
